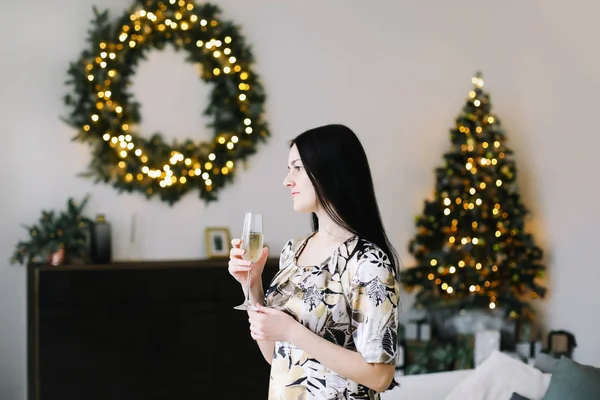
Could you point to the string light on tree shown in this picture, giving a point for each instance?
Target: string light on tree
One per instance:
(110, 122)
(476, 222)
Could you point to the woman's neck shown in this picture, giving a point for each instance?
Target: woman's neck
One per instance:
(330, 231)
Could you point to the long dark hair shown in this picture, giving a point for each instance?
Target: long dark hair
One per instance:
(337, 166)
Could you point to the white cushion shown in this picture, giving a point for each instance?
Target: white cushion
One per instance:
(498, 377)
(433, 386)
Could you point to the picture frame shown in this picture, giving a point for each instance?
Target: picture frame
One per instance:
(218, 242)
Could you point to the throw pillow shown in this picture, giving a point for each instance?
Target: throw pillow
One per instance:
(498, 377)
(545, 363)
(573, 381)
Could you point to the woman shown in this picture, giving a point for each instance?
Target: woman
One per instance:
(327, 323)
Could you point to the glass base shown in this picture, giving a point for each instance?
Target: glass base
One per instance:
(246, 306)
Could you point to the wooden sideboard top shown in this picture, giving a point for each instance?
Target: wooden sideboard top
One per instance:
(147, 264)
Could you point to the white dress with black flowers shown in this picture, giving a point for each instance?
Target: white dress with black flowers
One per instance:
(350, 299)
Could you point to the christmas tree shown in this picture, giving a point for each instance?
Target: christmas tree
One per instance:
(471, 248)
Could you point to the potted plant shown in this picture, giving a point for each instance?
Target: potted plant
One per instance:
(57, 238)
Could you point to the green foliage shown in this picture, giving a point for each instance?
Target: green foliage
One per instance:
(66, 229)
(437, 356)
(107, 116)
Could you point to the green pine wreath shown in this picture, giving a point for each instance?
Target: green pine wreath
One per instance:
(107, 116)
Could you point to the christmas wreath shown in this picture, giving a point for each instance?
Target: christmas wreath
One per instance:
(106, 114)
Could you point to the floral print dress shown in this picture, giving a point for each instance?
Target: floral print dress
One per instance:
(350, 299)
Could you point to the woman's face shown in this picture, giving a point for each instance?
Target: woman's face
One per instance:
(301, 188)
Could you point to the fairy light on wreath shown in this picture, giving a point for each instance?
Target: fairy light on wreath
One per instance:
(106, 117)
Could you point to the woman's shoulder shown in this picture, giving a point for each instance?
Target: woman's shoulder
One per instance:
(294, 243)
(363, 249)
(369, 255)
(292, 246)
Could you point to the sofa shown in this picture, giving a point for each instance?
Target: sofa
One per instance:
(503, 377)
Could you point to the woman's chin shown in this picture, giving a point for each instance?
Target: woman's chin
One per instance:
(302, 208)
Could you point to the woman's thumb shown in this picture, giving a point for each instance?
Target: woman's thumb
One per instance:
(263, 309)
(265, 253)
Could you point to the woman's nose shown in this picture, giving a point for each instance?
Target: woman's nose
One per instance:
(287, 182)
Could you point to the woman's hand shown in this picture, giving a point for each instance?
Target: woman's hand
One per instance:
(238, 267)
(269, 324)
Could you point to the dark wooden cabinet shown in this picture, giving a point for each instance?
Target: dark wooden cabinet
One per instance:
(141, 331)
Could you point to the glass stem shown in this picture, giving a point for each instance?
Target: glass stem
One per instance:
(248, 288)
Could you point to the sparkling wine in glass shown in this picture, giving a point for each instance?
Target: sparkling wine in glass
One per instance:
(252, 242)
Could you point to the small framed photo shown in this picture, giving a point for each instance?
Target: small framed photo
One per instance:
(218, 242)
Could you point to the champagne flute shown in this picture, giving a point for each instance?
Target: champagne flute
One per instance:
(252, 242)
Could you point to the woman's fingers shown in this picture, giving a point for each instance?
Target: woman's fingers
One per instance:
(257, 335)
(236, 251)
(240, 265)
(235, 262)
(255, 331)
(239, 269)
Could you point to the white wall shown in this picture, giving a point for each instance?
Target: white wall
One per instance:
(397, 72)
